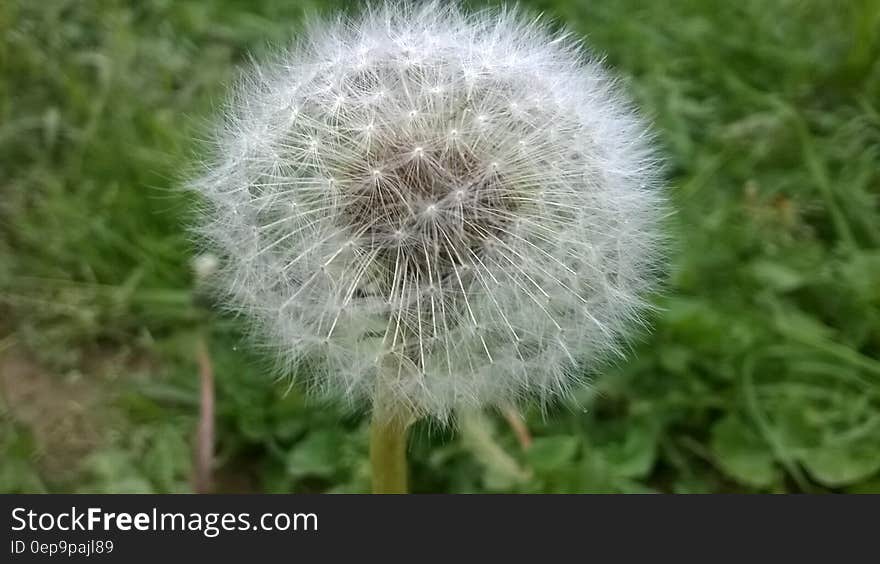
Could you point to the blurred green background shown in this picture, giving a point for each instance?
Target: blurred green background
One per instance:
(762, 373)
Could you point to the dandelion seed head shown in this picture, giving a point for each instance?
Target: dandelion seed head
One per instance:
(451, 209)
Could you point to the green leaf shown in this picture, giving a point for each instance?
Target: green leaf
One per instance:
(742, 454)
(316, 455)
(843, 465)
(549, 453)
(633, 455)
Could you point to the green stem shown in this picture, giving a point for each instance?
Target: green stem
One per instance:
(388, 453)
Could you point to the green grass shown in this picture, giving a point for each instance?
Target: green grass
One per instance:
(762, 373)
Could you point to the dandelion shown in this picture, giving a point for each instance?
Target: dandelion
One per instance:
(435, 210)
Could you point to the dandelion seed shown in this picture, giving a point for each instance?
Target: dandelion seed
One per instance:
(474, 221)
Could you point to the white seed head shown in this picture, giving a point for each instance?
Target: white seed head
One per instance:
(450, 209)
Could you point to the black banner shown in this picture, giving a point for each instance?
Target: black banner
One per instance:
(222, 528)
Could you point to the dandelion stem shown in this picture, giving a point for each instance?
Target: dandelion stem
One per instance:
(205, 436)
(388, 452)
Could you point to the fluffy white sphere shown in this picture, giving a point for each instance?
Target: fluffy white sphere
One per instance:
(445, 209)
